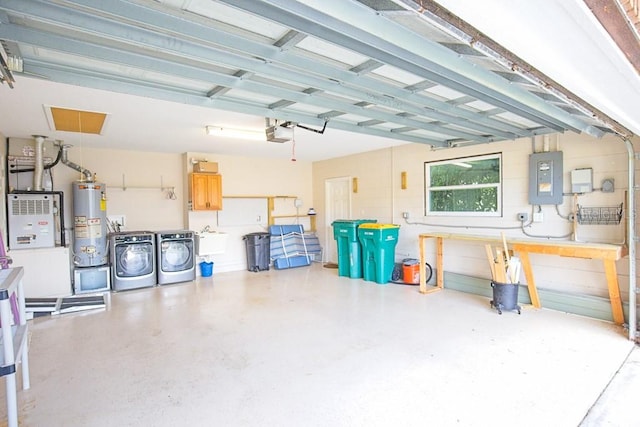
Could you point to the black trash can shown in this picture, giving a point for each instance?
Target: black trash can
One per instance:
(258, 251)
(505, 296)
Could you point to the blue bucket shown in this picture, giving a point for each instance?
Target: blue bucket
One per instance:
(206, 269)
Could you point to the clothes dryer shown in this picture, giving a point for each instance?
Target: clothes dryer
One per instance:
(133, 260)
(176, 256)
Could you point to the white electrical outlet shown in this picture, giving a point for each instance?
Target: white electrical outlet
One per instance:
(538, 217)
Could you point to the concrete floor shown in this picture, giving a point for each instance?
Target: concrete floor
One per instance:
(304, 347)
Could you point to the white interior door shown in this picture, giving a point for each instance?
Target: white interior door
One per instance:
(338, 206)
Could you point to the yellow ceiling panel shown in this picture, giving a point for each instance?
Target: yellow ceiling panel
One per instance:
(78, 121)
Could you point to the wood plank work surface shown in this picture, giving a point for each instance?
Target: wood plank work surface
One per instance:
(608, 253)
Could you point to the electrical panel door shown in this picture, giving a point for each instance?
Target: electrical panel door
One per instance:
(545, 178)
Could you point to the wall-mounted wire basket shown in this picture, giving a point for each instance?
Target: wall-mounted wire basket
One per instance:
(599, 215)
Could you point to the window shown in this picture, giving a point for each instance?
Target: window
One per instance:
(464, 186)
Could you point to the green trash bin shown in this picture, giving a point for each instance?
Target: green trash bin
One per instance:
(349, 248)
(379, 251)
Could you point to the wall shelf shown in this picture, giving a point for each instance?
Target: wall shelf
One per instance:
(170, 189)
(599, 215)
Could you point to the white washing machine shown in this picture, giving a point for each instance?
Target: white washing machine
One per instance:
(133, 260)
(176, 256)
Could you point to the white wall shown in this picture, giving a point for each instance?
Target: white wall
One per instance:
(253, 177)
(380, 197)
(133, 181)
(134, 189)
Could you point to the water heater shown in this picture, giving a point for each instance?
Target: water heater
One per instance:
(90, 224)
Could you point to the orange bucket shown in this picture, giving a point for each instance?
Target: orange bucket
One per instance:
(411, 273)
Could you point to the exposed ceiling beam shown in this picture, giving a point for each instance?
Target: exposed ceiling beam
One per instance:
(188, 71)
(434, 12)
(398, 98)
(142, 88)
(213, 51)
(290, 39)
(428, 59)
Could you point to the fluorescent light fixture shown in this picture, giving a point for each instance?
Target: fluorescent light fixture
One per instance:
(228, 132)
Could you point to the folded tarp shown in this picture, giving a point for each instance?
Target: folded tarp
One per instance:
(291, 247)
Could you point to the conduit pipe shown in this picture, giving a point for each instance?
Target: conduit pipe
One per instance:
(38, 170)
(631, 238)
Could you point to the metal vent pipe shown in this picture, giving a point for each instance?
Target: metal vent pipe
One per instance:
(38, 170)
(88, 176)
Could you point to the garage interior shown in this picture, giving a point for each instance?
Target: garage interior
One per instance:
(360, 95)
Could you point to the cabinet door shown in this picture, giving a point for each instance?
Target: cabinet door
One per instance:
(214, 191)
(206, 191)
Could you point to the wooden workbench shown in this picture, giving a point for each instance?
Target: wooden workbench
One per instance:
(608, 253)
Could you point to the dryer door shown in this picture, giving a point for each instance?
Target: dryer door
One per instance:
(134, 259)
(176, 255)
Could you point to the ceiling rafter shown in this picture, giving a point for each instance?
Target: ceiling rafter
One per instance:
(302, 17)
(246, 63)
(290, 39)
(301, 61)
(141, 88)
(436, 13)
(435, 109)
(366, 67)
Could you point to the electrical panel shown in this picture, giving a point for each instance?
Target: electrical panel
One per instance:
(545, 178)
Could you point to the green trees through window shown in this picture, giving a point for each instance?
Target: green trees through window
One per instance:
(469, 185)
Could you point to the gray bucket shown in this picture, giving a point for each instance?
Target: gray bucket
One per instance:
(505, 296)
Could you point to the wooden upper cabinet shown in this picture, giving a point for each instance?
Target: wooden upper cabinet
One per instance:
(205, 191)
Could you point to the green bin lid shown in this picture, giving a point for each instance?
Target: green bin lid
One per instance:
(352, 221)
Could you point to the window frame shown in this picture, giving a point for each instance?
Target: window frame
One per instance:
(465, 159)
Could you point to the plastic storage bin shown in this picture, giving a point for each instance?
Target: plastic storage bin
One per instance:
(349, 247)
(379, 250)
(258, 251)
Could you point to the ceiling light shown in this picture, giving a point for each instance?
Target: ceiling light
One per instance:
(228, 132)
